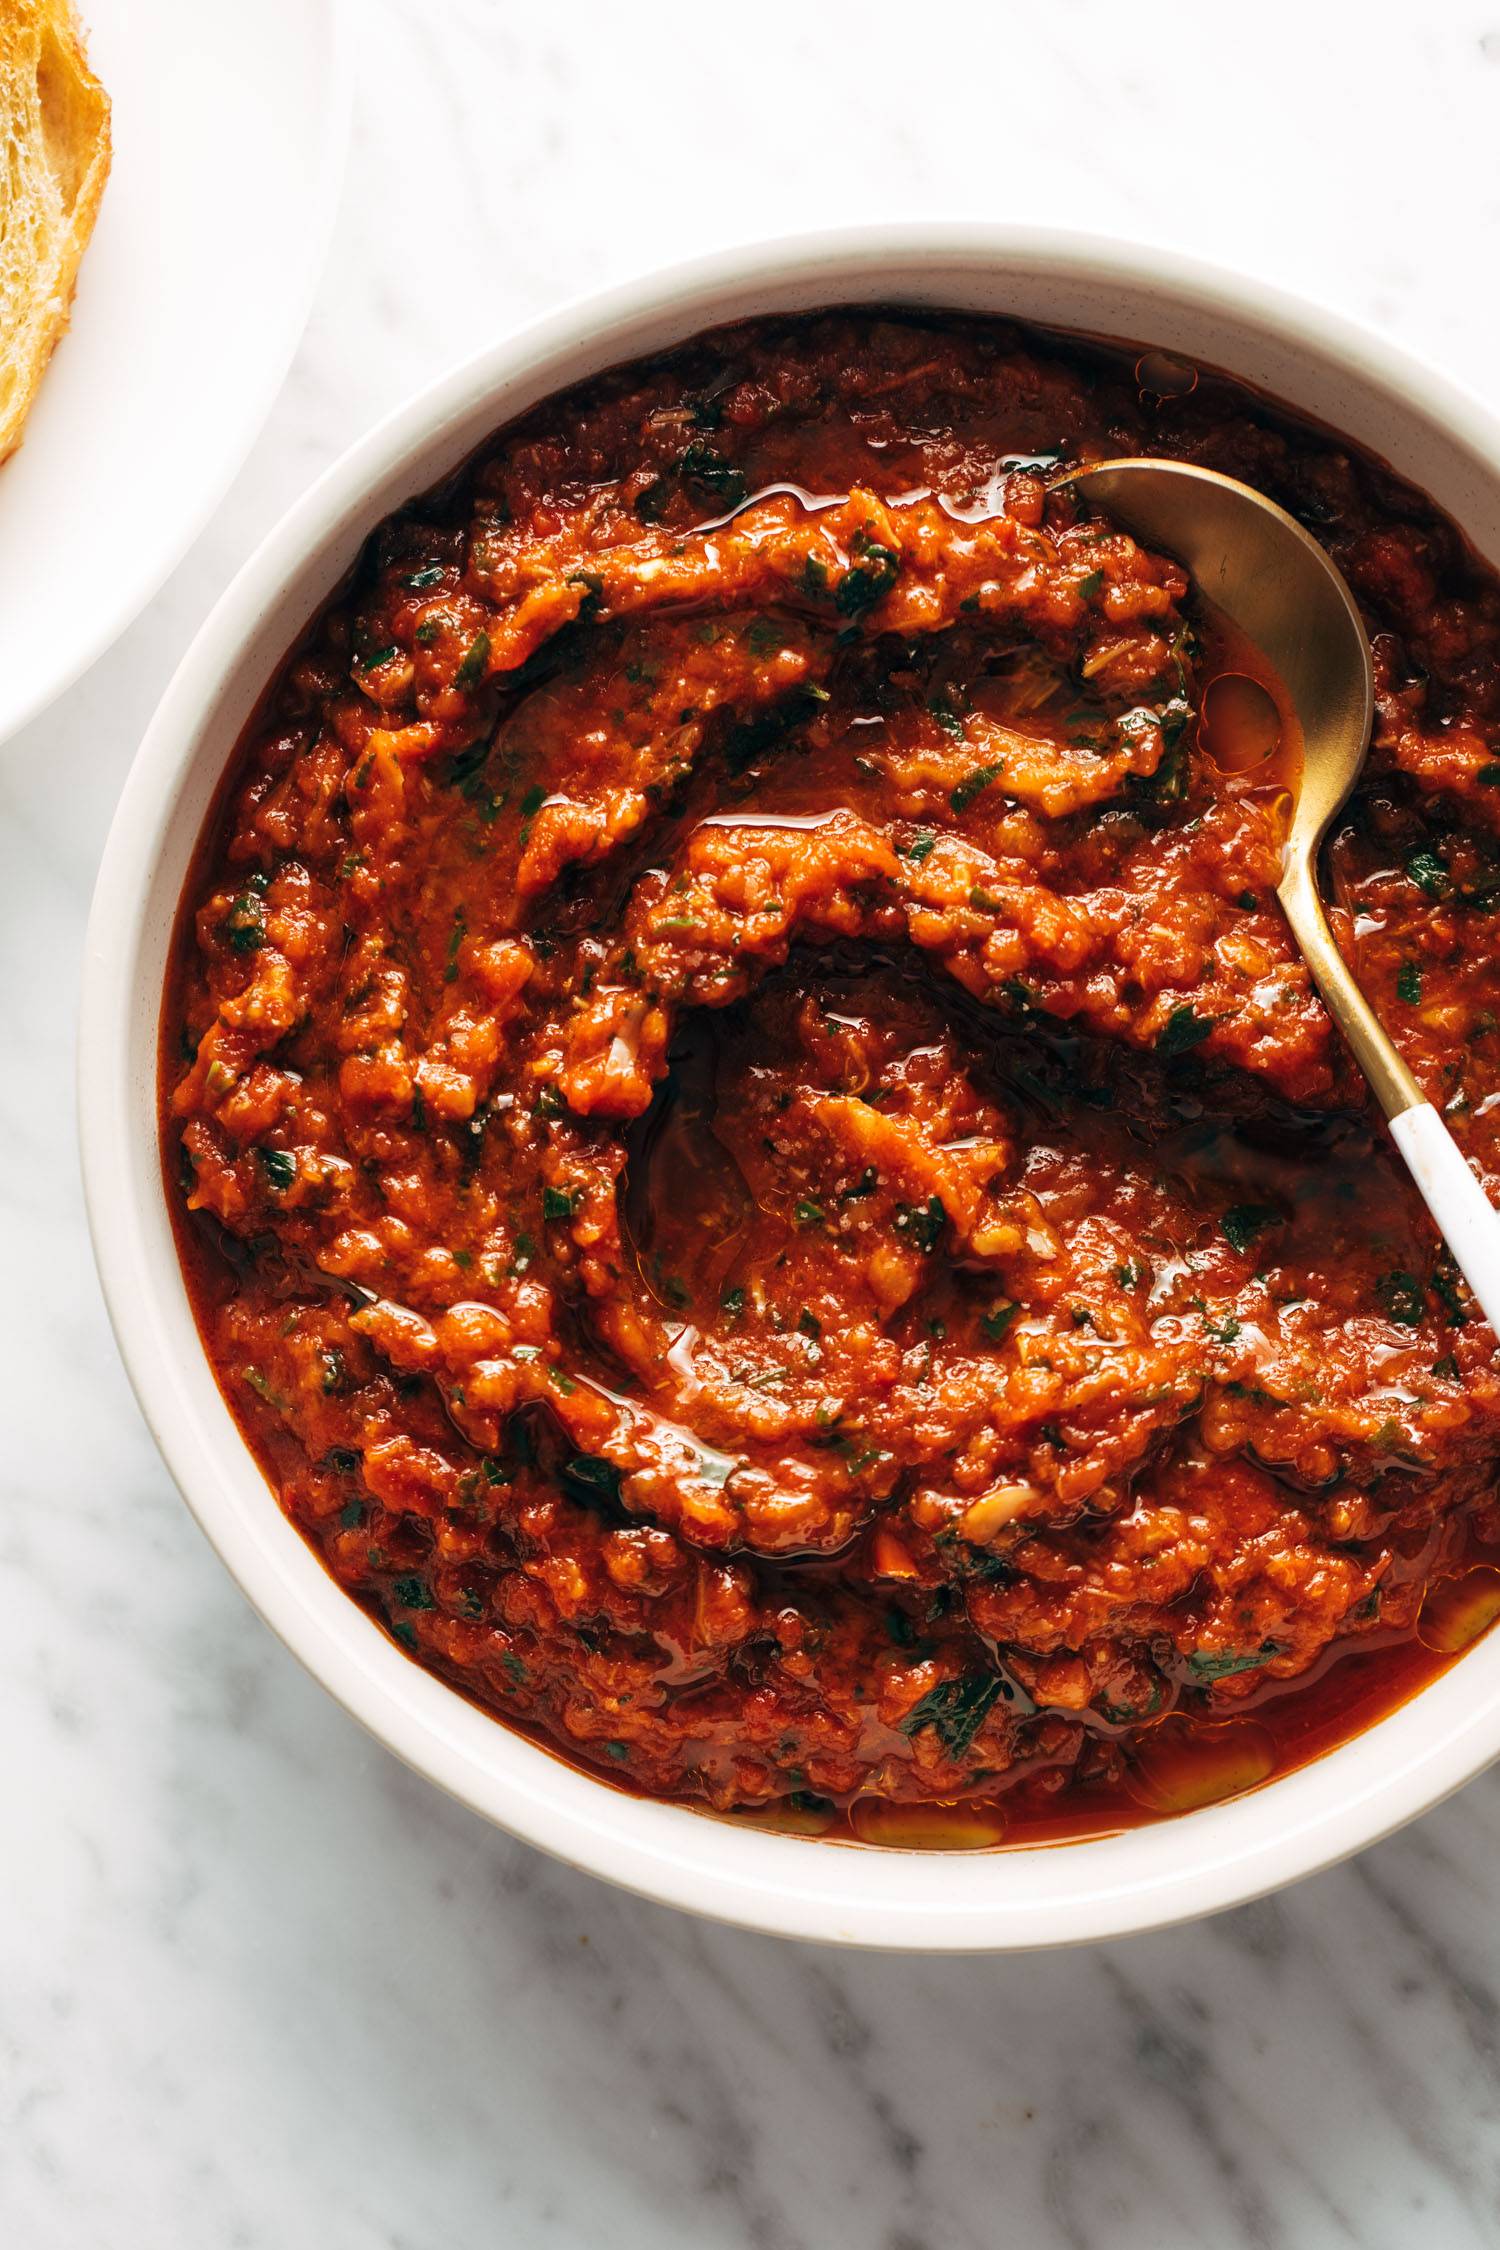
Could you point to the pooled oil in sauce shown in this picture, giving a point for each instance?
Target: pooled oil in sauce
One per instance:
(1189, 1760)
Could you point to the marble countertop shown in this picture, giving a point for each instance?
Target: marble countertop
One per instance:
(261, 1989)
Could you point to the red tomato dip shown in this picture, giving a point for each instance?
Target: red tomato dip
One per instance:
(757, 1163)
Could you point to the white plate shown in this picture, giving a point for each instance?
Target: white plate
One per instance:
(231, 121)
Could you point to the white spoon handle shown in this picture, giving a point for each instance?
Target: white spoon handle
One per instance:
(1468, 1220)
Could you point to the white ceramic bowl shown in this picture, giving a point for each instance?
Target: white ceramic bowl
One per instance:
(796, 1886)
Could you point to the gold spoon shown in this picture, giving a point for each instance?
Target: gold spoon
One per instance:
(1258, 566)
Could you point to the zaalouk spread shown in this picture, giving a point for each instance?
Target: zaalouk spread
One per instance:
(766, 1181)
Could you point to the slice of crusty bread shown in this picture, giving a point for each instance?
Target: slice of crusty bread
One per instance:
(54, 159)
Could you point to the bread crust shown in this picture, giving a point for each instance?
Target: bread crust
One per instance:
(54, 161)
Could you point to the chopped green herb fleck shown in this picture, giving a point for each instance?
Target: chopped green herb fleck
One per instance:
(764, 637)
(1445, 1289)
(973, 785)
(1204, 1668)
(1184, 1029)
(1400, 1298)
(869, 579)
(955, 1710)
(279, 1166)
(703, 465)
(924, 1222)
(472, 663)
(244, 926)
(1427, 871)
(1242, 1222)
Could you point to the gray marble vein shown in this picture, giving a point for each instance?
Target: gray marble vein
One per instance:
(260, 1988)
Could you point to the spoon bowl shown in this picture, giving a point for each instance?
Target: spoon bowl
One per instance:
(1271, 578)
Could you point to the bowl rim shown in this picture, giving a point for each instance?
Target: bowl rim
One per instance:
(788, 1886)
